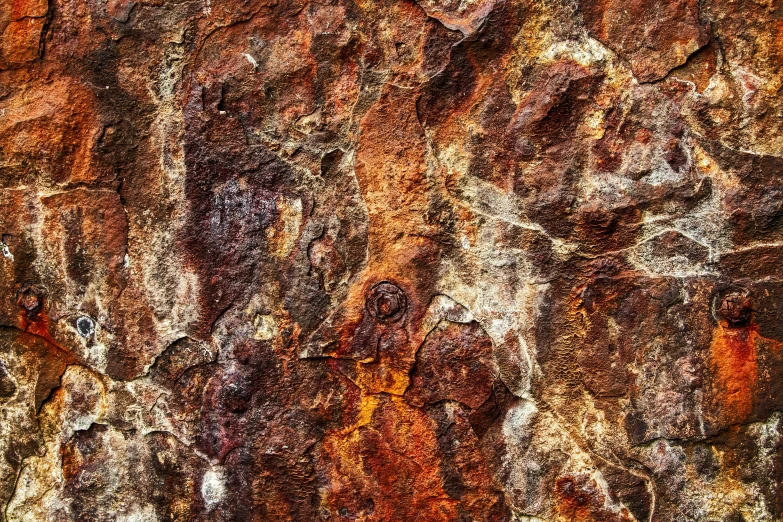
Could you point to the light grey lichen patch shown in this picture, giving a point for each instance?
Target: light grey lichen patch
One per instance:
(6, 251)
(213, 486)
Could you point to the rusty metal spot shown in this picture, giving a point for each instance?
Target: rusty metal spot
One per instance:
(573, 490)
(734, 307)
(386, 302)
(30, 300)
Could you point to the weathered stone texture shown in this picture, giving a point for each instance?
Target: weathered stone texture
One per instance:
(391, 260)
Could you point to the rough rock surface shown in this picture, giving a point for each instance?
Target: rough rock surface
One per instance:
(491, 260)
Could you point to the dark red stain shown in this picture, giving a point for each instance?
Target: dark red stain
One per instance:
(453, 363)
(37, 322)
(33, 319)
(578, 498)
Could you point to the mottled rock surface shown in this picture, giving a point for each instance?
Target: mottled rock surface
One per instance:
(475, 260)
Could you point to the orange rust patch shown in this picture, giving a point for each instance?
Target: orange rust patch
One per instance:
(38, 323)
(734, 365)
(733, 358)
(393, 450)
(20, 41)
(779, 39)
(28, 8)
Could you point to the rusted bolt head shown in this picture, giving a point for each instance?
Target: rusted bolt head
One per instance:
(734, 307)
(386, 302)
(29, 300)
(85, 326)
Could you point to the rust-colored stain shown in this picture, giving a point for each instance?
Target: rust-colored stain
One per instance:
(735, 371)
(735, 351)
(33, 319)
(579, 499)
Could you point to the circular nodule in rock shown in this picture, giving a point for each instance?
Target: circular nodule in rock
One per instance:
(733, 306)
(29, 300)
(386, 302)
(85, 326)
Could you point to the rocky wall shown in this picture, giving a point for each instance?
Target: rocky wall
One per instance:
(388, 260)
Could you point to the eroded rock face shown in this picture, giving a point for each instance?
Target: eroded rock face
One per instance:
(394, 260)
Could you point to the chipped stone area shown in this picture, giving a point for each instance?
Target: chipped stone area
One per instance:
(386, 261)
